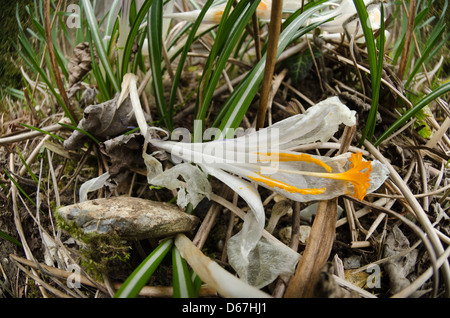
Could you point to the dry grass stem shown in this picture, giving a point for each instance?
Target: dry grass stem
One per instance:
(271, 56)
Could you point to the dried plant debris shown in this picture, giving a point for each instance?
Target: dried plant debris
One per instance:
(103, 121)
(124, 152)
(79, 65)
(400, 267)
(88, 97)
(327, 287)
(128, 217)
(125, 155)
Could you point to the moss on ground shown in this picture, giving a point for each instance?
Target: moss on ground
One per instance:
(101, 254)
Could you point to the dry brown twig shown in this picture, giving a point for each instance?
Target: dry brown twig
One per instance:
(271, 56)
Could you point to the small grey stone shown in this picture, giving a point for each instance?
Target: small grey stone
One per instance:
(130, 218)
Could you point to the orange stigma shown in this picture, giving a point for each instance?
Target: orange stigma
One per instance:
(358, 175)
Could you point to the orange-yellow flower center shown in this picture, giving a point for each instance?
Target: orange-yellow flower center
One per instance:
(217, 16)
(262, 8)
(287, 187)
(358, 174)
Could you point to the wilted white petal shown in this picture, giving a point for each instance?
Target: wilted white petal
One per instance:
(226, 284)
(267, 261)
(192, 190)
(378, 175)
(318, 123)
(137, 108)
(254, 222)
(256, 260)
(92, 185)
(154, 167)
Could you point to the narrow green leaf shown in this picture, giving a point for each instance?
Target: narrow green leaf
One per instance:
(96, 37)
(132, 35)
(373, 62)
(182, 283)
(140, 276)
(426, 54)
(411, 112)
(82, 131)
(31, 59)
(17, 93)
(11, 239)
(228, 34)
(104, 92)
(42, 131)
(369, 128)
(24, 162)
(110, 21)
(154, 31)
(183, 56)
(196, 283)
(10, 177)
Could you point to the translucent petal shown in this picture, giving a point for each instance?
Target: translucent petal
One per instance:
(256, 260)
(154, 167)
(194, 187)
(92, 185)
(318, 123)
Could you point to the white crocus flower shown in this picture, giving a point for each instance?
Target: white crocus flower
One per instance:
(345, 18)
(263, 158)
(214, 13)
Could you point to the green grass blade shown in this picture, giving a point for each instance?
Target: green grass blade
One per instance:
(31, 59)
(11, 239)
(411, 112)
(196, 283)
(109, 27)
(17, 93)
(430, 46)
(105, 94)
(154, 29)
(182, 282)
(207, 69)
(24, 162)
(369, 128)
(10, 177)
(183, 56)
(96, 37)
(42, 131)
(373, 66)
(132, 35)
(80, 33)
(229, 33)
(82, 131)
(140, 276)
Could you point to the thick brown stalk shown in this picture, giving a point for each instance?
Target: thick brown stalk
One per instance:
(316, 252)
(272, 47)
